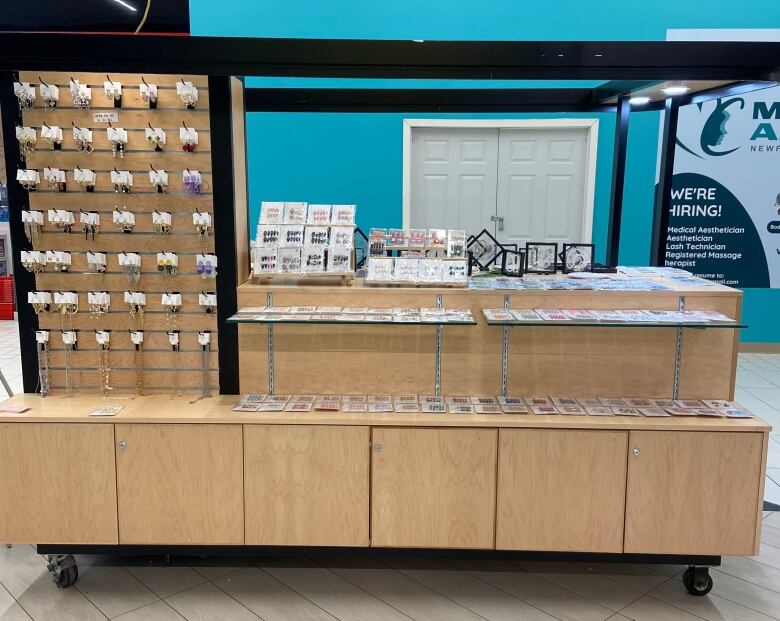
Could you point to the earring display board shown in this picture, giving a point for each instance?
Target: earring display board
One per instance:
(166, 368)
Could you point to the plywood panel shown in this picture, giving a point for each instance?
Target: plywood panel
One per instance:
(96, 79)
(306, 485)
(135, 116)
(692, 492)
(549, 360)
(58, 483)
(180, 484)
(433, 488)
(561, 490)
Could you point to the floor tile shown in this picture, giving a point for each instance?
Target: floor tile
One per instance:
(164, 580)
(20, 567)
(769, 535)
(772, 375)
(711, 607)
(339, 597)
(268, 598)
(158, 611)
(113, 590)
(751, 571)
(208, 603)
(769, 394)
(406, 595)
(618, 617)
(10, 610)
(751, 379)
(651, 609)
(476, 595)
(545, 595)
(773, 519)
(748, 594)
(592, 586)
(212, 568)
(642, 578)
(771, 491)
(43, 601)
(769, 555)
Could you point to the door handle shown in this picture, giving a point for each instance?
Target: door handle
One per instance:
(377, 447)
(123, 445)
(500, 220)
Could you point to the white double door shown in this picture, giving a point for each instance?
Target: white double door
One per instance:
(521, 184)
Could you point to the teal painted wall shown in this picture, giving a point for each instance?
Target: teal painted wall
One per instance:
(321, 157)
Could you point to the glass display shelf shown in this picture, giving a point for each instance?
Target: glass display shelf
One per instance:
(605, 323)
(679, 319)
(357, 320)
(435, 317)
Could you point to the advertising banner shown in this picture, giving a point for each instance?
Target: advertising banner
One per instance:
(724, 223)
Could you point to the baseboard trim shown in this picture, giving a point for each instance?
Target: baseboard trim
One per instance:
(760, 348)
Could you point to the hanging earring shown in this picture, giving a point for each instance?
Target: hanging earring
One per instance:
(44, 374)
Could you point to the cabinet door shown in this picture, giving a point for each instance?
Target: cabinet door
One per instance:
(433, 488)
(57, 483)
(561, 490)
(693, 492)
(180, 484)
(306, 485)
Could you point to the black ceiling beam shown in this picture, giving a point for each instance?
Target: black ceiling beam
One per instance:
(422, 100)
(726, 90)
(614, 89)
(586, 60)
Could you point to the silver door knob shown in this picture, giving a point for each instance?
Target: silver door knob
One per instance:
(377, 447)
(123, 445)
(636, 451)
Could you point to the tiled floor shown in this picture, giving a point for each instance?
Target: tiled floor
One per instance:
(380, 588)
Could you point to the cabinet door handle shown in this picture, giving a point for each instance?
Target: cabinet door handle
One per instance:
(123, 445)
(636, 452)
(377, 447)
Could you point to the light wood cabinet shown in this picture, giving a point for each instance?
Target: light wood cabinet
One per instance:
(693, 493)
(57, 484)
(561, 490)
(180, 484)
(433, 488)
(306, 485)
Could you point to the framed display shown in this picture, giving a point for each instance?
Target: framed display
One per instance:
(512, 262)
(485, 249)
(540, 257)
(577, 257)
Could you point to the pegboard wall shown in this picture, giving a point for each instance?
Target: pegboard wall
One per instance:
(164, 369)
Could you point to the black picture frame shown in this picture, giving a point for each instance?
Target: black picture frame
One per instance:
(520, 254)
(534, 270)
(475, 239)
(566, 268)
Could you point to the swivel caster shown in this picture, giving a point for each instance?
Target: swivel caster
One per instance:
(697, 580)
(63, 569)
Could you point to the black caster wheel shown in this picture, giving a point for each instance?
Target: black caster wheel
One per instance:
(63, 569)
(697, 581)
(67, 577)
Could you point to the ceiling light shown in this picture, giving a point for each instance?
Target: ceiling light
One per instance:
(676, 90)
(639, 101)
(127, 6)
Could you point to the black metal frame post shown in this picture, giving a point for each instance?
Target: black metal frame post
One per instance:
(18, 199)
(663, 191)
(220, 117)
(618, 180)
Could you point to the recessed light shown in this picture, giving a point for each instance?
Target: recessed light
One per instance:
(639, 101)
(676, 90)
(127, 6)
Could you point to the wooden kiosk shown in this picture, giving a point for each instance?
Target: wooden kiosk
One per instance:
(183, 473)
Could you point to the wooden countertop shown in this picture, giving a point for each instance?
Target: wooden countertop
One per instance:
(357, 285)
(167, 410)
